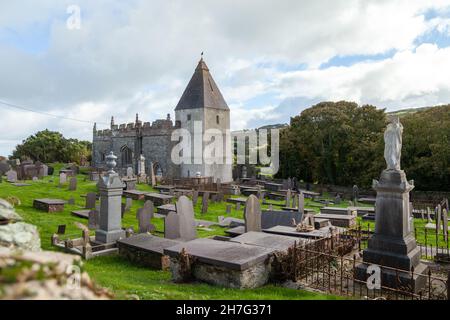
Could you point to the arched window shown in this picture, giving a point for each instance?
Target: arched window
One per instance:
(157, 170)
(127, 156)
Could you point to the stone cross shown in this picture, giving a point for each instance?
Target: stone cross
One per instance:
(205, 199)
(73, 184)
(91, 199)
(185, 210)
(144, 216)
(301, 202)
(172, 226)
(252, 214)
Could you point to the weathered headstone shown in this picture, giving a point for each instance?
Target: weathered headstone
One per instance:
(294, 202)
(11, 176)
(71, 201)
(185, 210)
(152, 175)
(144, 216)
(238, 206)
(355, 194)
(205, 199)
(194, 197)
(445, 224)
(428, 215)
(73, 184)
(93, 219)
(338, 199)
(288, 198)
(130, 172)
(252, 214)
(91, 199)
(172, 226)
(128, 204)
(219, 196)
(62, 178)
(228, 209)
(438, 215)
(301, 202)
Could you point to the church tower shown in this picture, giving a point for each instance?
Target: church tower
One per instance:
(202, 107)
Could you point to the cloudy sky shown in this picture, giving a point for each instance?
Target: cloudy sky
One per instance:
(271, 59)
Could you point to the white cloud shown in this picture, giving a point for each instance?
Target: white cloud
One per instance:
(137, 56)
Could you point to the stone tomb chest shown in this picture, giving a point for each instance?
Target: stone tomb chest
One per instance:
(158, 199)
(49, 205)
(146, 250)
(223, 263)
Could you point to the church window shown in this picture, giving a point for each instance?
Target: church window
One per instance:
(217, 119)
(189, 117)
(126, 155)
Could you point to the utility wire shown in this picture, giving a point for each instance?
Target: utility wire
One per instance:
(47, 114)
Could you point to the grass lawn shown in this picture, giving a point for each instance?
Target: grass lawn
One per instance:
(117, 274)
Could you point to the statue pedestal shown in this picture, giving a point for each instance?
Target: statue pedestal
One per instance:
(393, 244)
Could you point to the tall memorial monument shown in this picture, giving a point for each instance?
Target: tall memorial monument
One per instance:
(110, 187)
(393, 243)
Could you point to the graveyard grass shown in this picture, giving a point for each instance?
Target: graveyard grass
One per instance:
(117, 274)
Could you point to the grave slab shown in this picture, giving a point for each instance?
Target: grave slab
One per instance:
(292, 232)
(146, 250)
(81, 213)
(223, 263)
(267, 240)
(166, 208)
(158, 199)
(339, 220)
(134, 194)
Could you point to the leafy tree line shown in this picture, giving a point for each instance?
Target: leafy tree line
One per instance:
(342, 143)
(50, 146)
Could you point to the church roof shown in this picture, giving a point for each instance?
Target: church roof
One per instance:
(202, 91)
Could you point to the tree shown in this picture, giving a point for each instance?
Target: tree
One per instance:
(335, 143)
(50, 146)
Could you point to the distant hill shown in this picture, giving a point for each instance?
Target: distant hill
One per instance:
(404, 112)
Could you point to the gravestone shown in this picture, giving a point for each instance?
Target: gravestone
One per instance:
(128, 204)
(288, 198)
(219, 196)
(252, 215)
(195, 197)
(152, 175)
(71, 201)
(294, 202)
(144, 216)
(11, 176)
(185, 210)
(301, 202)
(270, 207)
(73, 184)
(205, 202)
(93, 219)
(62, 178)
(172, 226)
(130, 172)
(238, 206)
(355, 194)
(35, 179)
(445, 224)
(338, 199)
(270, 218)
(61, 229)
(428, 214)
(228, 209)
(91, 199)
(438, 216)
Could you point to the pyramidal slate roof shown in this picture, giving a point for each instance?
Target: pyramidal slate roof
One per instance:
(202, 91)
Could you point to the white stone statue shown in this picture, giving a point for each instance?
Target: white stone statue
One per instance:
(393, 144)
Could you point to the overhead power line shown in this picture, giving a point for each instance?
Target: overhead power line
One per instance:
(46, 114)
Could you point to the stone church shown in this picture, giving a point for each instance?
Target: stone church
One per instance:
(201, 101)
